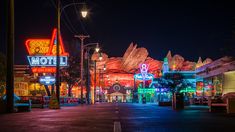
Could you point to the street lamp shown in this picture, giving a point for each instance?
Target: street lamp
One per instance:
(100, 58)
(88, 47)
(82, 37)
(84, 13)
(59, 12)
(97, 48)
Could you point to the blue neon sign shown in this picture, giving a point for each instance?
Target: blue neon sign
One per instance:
(148, 76)
(47, 80)
(46, 60)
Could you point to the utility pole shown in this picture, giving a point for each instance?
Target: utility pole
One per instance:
(10, 55)
(81, 37)
(58, 53)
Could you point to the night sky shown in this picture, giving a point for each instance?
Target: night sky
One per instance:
(191, 29)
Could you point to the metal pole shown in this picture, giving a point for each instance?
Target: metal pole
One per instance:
(81, 71)
(58, 53)
(10, 55)
(88, 78)
(99, 85)
(133, 92)
(95, 83)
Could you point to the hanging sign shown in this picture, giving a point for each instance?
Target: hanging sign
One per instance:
(47, 80)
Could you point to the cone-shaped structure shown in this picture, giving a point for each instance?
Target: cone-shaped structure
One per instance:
(199, 62)
(168, 56)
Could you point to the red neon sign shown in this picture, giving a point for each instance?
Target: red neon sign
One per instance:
(45, 46)
(43, 69)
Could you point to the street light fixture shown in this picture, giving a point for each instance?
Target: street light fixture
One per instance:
(97, 49)
(88, 47)
(82, 37)
(84, 11)
(100, 56)
(104, 67)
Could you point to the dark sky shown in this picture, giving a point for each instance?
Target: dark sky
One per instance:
(189, 28)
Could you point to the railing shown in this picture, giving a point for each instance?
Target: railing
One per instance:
(43, 101)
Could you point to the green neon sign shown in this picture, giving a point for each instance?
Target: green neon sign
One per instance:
(146, 90)
(189, 89)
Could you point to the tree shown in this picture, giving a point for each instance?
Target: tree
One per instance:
(71, 73)
(175, 81)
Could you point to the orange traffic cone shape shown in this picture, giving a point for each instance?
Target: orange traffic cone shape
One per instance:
(53, 103)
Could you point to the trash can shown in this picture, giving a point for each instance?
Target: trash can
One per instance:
(178, 101)
(144, 100)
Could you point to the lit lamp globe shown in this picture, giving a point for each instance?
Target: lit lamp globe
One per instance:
(97, 49)
(100, 56)
(84, 13)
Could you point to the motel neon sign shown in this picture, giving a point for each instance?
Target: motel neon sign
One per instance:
(42, 54)
(46, 60)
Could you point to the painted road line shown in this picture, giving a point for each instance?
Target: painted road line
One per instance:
(117, 127)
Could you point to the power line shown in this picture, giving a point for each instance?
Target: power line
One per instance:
(66, 24)
(67, 18)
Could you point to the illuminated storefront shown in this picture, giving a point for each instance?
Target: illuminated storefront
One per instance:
(215, 77)
(118, 93)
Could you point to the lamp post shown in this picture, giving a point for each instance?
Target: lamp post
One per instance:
(57, 53)
(95, 61)
(59, 12)
(82, 37)
(94, 81)
(99, 85)
(87, 48)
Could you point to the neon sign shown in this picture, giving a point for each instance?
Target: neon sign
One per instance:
(43, 69)
(46, 60)
(47, 80)
(144, 75)
(45, 46)
(38, 46)
(42, 53)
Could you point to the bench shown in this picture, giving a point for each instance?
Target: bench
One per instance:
(228, 105)
(19, 105)
(217, 104)
(22, 105)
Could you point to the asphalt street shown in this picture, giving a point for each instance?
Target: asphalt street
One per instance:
(105, 117)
